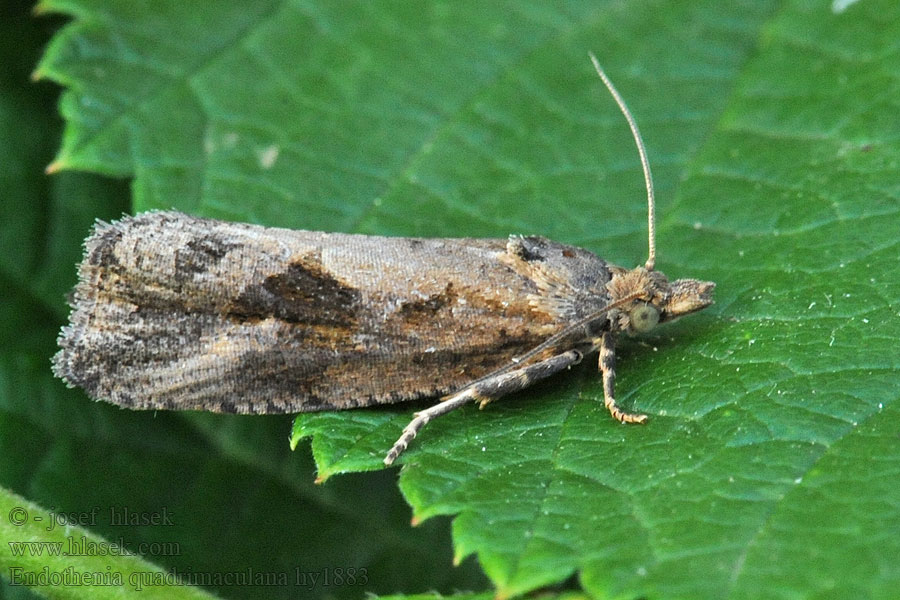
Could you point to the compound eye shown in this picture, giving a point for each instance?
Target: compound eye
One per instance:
(643, 317)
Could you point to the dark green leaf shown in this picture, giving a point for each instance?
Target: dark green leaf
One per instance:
(767, 467)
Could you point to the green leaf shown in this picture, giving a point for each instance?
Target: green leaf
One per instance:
(67, 561)
(434, 596)
(768, 465)
(482, 596)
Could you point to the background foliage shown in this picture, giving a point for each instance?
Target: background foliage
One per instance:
(769, 466)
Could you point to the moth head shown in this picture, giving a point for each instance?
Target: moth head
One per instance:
(648, 298)
(686, 296)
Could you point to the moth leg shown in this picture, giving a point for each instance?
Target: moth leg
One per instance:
(485, 390)
(608, 368)
(519, 379)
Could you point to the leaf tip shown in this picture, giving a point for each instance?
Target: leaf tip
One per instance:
(41, 8)
(55, 167)
(502, 594)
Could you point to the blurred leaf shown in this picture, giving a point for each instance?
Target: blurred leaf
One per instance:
(768, 467)
(482, 596)
(67, 561)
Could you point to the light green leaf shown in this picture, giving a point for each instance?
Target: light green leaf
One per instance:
(767, 467)
(61, 560)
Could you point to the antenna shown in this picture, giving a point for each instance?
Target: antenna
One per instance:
(645, 163)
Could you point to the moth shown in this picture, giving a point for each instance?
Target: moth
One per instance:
(177, 312)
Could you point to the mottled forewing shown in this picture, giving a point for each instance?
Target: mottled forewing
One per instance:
(178, 312)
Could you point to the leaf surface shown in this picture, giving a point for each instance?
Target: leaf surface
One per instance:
(773, 134)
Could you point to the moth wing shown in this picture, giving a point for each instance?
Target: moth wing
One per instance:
(177, 312)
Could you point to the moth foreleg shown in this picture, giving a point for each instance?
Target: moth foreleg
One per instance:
(608, 369)
(485, 390)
